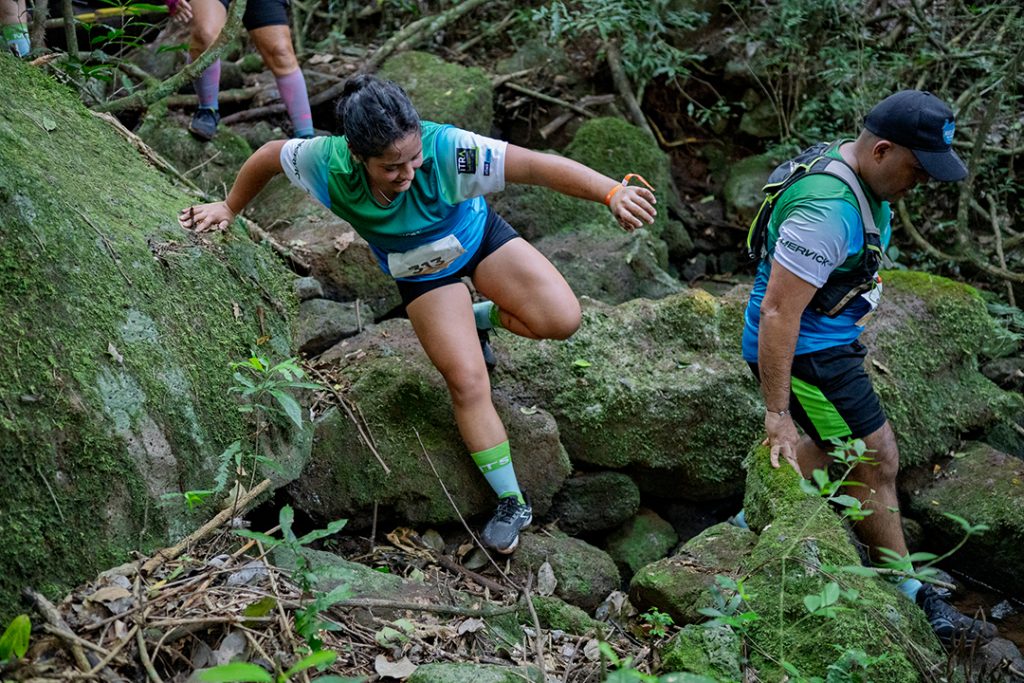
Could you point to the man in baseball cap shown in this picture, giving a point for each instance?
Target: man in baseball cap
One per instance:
(922, 123)
(816, 286)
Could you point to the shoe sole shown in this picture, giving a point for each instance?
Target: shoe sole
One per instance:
(200, 136)
(515, 544)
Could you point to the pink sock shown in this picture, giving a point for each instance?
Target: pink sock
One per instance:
(207, 86)
(292, 87)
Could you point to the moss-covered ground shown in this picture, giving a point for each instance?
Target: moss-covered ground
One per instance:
(115, 339)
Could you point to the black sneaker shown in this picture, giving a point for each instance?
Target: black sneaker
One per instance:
(953, 628)
(204, 123)
(485, 345)
(502, 532)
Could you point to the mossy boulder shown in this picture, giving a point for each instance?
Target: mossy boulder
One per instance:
(983, 486)
(212, 165)
(444, 92)
(115, 343)
(742, 192)
(401, 402)
(715, 652)
(643, 539)
(923, 360)
(801, 551)
(658, 385)
(680, 585)
(613, 268)
(585, 574)
(595, 501)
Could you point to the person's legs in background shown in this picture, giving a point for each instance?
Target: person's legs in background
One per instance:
(274, 43)
(14, 26)
(207, 21)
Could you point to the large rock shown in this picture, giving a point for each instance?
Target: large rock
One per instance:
(643, 539)
(983, 486)
(402, 403)
(115, 343)
(595, 501)
(444, 92)
(923, 359)
(657, 386)
(802, 551)
(679, 585)
(585, 575)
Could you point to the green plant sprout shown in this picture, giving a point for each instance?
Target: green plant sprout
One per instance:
(657, 622)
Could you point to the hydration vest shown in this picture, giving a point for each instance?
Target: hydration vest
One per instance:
(841, 288)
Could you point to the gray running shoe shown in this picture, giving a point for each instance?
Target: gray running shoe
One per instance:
(204, 123)
(952, 628)
(502, 532)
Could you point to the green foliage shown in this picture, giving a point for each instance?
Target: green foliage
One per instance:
(308, 622)
(642, 30)
(266, 392)
(657, 622)
(243, 672)
(14, 641)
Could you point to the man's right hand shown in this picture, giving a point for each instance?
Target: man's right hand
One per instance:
(782, 439)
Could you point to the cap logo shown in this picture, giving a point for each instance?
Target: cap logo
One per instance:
(948, 128)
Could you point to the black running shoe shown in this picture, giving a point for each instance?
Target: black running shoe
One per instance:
(502, 532)
(952, 627)
(204, 123)
(485, 345)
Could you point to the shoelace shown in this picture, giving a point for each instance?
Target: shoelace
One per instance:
(508, 509)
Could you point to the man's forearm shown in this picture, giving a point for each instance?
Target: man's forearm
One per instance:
(776, 343)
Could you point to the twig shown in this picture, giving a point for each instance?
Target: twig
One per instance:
(52, 496)
(538, 645)
(994, 213)
(53, 618)
(621, 81)
(206, 621)
(451, 565)
(162, 556)
(144, 658)
(456, 508)
(367, 439)
(497, 81)
(110, 248)
(114, 652)
(537, 95)
(282, 617)
(436, 609)
(202, 163)
(70, 37)
(65, 633)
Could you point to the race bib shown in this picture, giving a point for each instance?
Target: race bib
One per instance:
(426, 259)
(873, 296)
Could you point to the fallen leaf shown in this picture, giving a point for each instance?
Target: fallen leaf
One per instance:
(49, 124)
(403, 668)
(532, 410)
(321, 58)
(342, 241)
(471, 625)
(108, 594)
(433, 540)
(475, 560)
(881, 368)
(236, 310)
(591, 650)
(936, 468)
(112, 350)
(546, 580)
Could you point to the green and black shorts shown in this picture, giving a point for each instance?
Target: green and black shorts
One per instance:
(832, 396)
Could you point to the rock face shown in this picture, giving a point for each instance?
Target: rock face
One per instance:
(983, 486)
(115, 343)
(444, 92)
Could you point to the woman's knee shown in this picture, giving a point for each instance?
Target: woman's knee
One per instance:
(467, 383)
(559, 324)
(279, 56)
(202, 37)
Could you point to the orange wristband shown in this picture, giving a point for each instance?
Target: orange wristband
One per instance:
(624, 183)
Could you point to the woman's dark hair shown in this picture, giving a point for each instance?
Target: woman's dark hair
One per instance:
(373, 113)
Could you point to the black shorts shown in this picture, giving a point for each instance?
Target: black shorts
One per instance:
(260, 13)
(497, 231)
(832, 396)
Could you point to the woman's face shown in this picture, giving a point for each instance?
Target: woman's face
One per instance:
(392, 171)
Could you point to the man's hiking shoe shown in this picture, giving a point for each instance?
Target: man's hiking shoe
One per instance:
(953, 628)
(502, 532)
(204, 123)
(485, 345)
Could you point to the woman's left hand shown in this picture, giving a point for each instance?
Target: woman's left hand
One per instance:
(633, 206)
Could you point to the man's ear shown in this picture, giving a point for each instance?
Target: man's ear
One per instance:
(881, 149)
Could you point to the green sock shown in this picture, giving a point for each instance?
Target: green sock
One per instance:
(496, 466)
(487, 316)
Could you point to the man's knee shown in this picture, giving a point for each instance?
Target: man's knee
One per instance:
(884, 454)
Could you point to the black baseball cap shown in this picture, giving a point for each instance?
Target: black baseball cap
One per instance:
(923, 123)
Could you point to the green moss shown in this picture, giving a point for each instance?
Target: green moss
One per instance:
(443, 92)
(555, 613)
(713, 652)
(114, 344)
(473, 673)
(642, 540)
(925, 366)
(585, 574)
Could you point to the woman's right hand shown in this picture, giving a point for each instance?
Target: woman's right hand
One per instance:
(206, 217)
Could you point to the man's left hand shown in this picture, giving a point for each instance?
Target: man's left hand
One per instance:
(782, 439)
